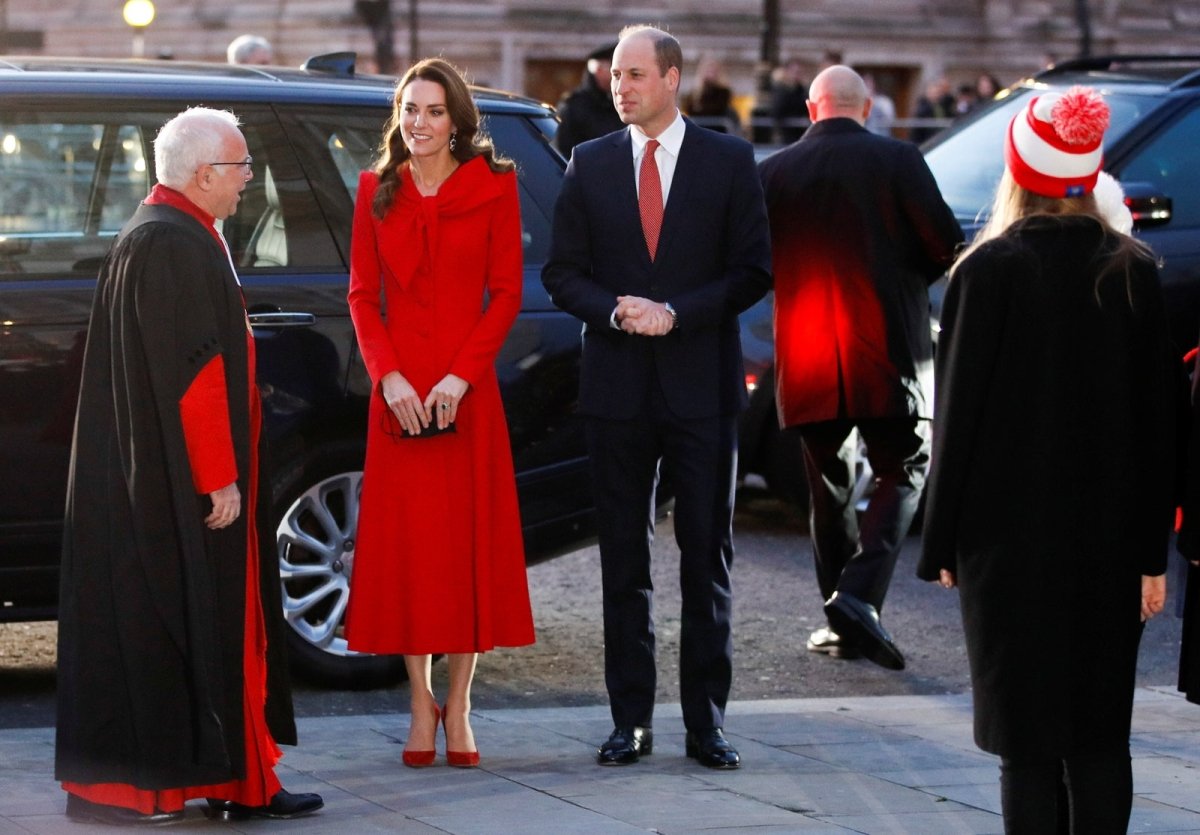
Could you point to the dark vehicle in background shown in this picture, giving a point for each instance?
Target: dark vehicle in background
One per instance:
(76, 158)
(1152, 147)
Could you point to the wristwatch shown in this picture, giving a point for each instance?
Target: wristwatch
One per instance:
(674, 315)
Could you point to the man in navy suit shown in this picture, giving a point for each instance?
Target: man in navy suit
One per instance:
(660, 241)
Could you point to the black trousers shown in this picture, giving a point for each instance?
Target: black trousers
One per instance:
(700, 458)
(1097, 799)
(854, 559)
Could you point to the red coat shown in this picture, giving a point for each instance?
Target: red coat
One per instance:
(439, 563)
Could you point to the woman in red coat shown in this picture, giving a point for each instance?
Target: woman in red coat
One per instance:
(440, 566)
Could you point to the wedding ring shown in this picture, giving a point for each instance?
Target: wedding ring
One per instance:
(445, 405)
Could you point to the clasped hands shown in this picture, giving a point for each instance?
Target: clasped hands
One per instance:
(413, 413)
(1154, 591)
(642, 316)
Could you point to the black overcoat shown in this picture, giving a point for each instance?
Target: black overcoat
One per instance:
(1189, 546)
(1051, 480)
(152, 602)
(858, 232)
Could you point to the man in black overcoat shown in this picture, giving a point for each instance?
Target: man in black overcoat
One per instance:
(587, 112)
(170, 681)
(858, 231)
(660, 241)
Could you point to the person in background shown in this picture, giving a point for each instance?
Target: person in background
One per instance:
(250, 49)
(439, 562)
(1053, 367)
(858, 232)
(788, 97)
(711, 102)
(965, 100)
(882, 114)
(587, 111)
(937, 102)
(660, 240)
(172, 673)
(986, 89)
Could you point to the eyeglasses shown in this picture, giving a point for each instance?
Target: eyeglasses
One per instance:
(245, 164)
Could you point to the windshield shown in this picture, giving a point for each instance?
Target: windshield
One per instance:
(968, 163)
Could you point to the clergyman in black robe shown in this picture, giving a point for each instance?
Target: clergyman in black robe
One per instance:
(170, 685)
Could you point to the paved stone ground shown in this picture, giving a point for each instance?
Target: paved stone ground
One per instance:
(894, 764)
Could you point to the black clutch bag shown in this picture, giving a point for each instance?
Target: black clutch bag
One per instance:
(396, 432)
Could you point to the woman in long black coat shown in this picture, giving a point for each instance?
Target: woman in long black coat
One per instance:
(1050, 485)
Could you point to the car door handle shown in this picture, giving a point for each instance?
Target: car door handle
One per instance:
(282, 320)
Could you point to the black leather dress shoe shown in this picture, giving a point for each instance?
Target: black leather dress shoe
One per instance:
(283, 806)
(625, 746)
(82, 810)
(852, 618)
(711, 748)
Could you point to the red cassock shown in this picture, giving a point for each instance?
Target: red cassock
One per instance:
(434, 288)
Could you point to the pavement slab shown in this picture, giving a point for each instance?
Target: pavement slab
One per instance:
(888, 764)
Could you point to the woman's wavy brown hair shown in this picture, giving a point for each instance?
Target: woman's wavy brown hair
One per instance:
(470, 142)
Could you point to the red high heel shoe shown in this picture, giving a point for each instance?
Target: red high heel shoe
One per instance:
(458, 759)
(423, 759)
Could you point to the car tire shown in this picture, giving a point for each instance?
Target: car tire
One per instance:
(316, 522)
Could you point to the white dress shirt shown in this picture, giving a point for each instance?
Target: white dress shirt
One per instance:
(665, 156)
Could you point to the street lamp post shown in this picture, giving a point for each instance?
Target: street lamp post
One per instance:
(138, 15)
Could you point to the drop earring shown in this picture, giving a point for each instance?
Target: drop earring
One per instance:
(453, 141)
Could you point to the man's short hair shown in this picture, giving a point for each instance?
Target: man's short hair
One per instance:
(193, 138)
(667, 51)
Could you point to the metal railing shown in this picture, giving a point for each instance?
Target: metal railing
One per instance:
(764, 130)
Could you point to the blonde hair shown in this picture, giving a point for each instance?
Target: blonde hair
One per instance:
(1013, 204)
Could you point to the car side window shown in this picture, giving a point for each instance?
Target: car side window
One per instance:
(1171, 163)
(71, 177)
(67, 185)
(539, 173)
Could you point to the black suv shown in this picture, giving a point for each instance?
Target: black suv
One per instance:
(1152, 147)
(76, 159)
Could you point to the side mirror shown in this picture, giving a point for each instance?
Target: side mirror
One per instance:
(1149, 206)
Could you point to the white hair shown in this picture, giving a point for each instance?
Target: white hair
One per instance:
(193, 138)
(243, 48)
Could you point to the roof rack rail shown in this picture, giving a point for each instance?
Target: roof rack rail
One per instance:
(333, 63)
(1108, 62)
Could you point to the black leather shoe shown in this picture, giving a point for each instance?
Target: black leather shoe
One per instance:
(82, 810)
(283, 806)
(625, 746)
(711, 749)
(852, 618)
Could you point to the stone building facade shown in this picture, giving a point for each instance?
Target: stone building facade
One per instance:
(535, 46)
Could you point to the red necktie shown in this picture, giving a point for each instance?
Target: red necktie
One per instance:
(650, 199)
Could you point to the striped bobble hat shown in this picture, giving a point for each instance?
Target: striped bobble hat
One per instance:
(1053, 145)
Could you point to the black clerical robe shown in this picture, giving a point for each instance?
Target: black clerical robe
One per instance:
(152, 602)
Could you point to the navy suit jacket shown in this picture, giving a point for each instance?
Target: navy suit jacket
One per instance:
(713, 262)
